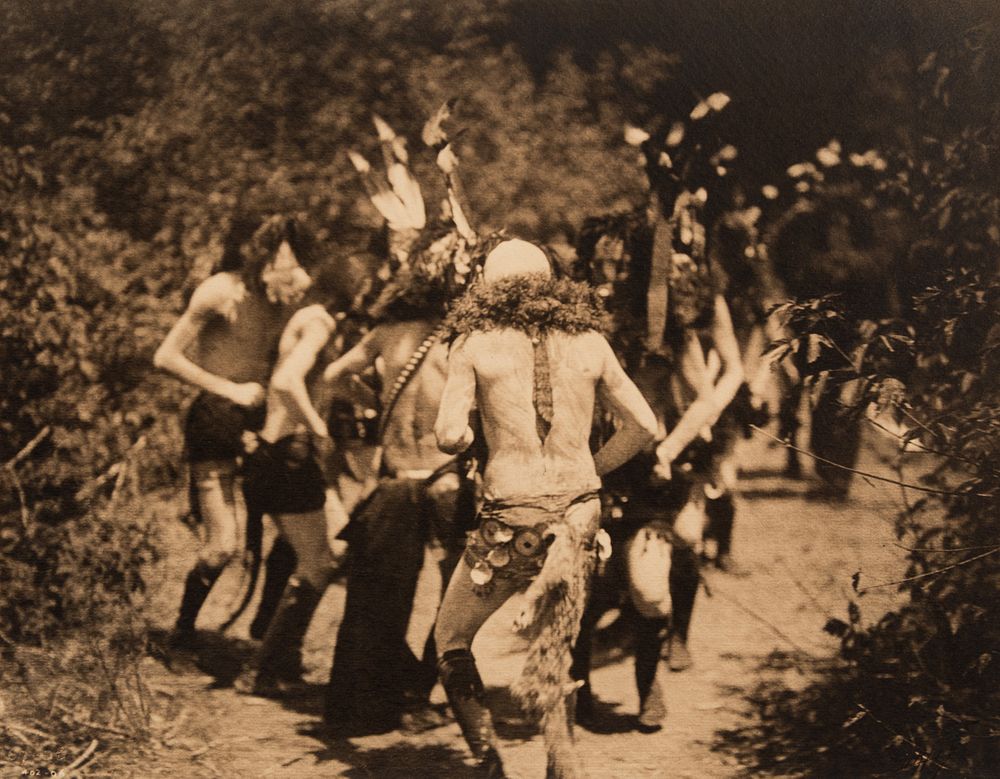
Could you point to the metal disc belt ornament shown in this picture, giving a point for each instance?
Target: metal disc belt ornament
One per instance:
(498, 547)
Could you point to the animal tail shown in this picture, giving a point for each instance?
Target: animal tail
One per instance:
(252, 560)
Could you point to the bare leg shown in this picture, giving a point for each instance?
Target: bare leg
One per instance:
(222, 514)
(280, 660)
(462, 614)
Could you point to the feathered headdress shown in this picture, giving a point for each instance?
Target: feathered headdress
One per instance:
(428, 263)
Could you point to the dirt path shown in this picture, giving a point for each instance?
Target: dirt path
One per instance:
(799, 557)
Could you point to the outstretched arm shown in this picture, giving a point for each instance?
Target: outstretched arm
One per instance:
(454, 434)
(290, 377)
(712, 398)
(636, 422)
(216, 296)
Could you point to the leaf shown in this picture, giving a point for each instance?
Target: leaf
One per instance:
(836, 627)
(855, 580)
(891, 392)
(635, 136)
(944, 217)
(717, 100)
(815, 347)
(676, 134)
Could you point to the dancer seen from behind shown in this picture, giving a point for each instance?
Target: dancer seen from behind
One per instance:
(529, 351)
(668, 308)
(225, 344)
(422, 495)
(284, 479)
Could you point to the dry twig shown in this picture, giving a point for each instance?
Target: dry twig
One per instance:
(935, 572)
(866, 474)
(82, 758)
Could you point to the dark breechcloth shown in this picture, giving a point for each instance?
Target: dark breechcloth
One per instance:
(375, 674)
(284, 477)
(214, 428)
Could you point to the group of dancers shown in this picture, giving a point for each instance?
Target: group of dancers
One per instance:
(559, 432)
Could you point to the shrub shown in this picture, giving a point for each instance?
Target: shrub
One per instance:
(925, 680)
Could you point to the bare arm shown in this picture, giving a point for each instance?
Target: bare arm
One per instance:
(216, 296)
(454, 434)
(711, 399)
(362, 355)
(636, 421)
(290, 377)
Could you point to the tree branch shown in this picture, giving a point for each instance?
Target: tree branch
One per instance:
(935, 572)
(917, 487)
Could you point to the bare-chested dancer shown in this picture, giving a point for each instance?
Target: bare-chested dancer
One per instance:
(417, 499)
(284, 480)
(530, 353)
(422, 494)
(224, 343)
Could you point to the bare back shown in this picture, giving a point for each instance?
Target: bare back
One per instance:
(409, 431)
(496, 369)
(520, 463)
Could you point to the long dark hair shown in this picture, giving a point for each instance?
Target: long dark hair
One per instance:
(253, 240)
(337, 281)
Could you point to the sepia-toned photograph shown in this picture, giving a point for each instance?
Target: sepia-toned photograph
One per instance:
(578, 389)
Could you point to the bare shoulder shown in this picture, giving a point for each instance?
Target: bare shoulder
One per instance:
(309, 315)
(306, 320)
(585, 353)
(594, 342)
(587, 345)
(217, 294)
(485, 344)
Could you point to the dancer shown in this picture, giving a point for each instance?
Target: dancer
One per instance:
(284, 480)
(529, 351)
(224, 344)
(422, 495)
(666, 298)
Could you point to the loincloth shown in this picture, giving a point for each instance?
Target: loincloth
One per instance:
(284, 477)
(516, 550)
(213, 429)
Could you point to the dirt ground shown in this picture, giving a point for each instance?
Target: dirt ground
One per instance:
(798, 557)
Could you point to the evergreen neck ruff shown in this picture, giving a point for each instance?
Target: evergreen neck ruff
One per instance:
(535, 304)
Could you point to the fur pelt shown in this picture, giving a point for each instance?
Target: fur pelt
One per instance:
(553, 608)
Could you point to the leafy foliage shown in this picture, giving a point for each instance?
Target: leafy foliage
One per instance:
(924, 681)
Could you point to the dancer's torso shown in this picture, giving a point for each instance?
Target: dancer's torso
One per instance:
(408, 437)
(520, 464)
(283, 418)
(242, 346)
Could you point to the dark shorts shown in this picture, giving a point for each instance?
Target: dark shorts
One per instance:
(214, 428)
(284, 477)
